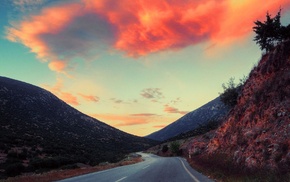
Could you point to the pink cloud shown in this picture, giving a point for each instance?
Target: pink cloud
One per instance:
(90, 97)
(159, 126)
(86, 28)
(65, 96)
(144, 114)
(57, 66)
(121, 120)
(170, 109)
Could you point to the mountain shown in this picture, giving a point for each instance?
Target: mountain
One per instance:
(39, 131)
(256, 134)
(214, 110)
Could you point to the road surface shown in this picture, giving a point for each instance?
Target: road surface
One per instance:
(152, 169)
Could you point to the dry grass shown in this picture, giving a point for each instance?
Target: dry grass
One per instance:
(62, 174)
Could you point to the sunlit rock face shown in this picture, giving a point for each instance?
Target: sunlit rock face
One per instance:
(256, 133)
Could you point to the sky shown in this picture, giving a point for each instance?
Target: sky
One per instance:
(135, 65)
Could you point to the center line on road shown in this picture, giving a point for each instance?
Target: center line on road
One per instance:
(193, 177)
(145, 167)
(121, 179)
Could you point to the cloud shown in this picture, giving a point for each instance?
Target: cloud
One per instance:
(144, 114)
(91, 98)
(65, 96)
(175, 101)
(122, 120)
(28, 5)
(117, 101)
(57, 66)
(58, 34)
(159, 126)
(170, 109)
(153, 94)
(85, 28)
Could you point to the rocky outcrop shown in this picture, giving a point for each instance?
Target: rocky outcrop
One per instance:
(256, 133)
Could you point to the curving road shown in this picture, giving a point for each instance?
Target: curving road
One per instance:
(153, 169)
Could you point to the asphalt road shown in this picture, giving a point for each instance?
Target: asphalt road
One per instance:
(153, 169)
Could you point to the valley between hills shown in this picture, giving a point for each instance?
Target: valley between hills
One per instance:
(40, 133)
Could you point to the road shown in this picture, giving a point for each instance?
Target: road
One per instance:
(152, 169)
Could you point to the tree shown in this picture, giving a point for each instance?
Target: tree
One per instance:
(285, 32)
(268, 33)
(174, 147)
(231, 91)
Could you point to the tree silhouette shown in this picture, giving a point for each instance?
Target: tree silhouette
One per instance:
(268, 33)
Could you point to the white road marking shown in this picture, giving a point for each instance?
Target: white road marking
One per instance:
(121, 179)
(193, 177)
(145, 167)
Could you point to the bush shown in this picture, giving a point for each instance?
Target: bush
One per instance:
(50, 163)
(164, 148)
(174, 147)
(231, 92)
(14, 169)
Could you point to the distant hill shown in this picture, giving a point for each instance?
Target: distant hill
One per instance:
(39, 131)
(214, 110)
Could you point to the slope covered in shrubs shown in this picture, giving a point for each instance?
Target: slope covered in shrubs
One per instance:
(40, 132)
(255, 137)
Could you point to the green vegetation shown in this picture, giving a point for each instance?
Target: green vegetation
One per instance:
(174, 148)
(270, 32)
(231, 91)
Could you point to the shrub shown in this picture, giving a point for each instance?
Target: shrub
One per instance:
(14, 169)
(174, 147)
(231, 92)
(165, 148)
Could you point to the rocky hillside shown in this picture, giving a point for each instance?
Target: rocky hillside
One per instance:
(256, 133)
(215, 110)
(39, 131)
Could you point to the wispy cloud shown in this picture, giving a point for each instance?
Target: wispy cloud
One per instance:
(144, 115)
(28, 5)
(85, 28)
(121, 120)
(170, 109)
(65, 96)
(154, 94)
(159, 126)
(91, 98)
(175, 101)
(117, 101)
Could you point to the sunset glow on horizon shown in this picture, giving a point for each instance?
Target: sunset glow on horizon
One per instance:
(135, 65)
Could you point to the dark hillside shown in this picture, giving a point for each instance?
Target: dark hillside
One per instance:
(214, 110)
(39, 131)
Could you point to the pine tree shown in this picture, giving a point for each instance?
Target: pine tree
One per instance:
(268, 33)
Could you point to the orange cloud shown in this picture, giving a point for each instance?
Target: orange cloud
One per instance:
(90, 97)
(68, 98)
(65, 96)
(122, 120)
(57, 66)
(144, 114)
(239, 16)
(84, 28)
(159, 126)
(170, 109)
